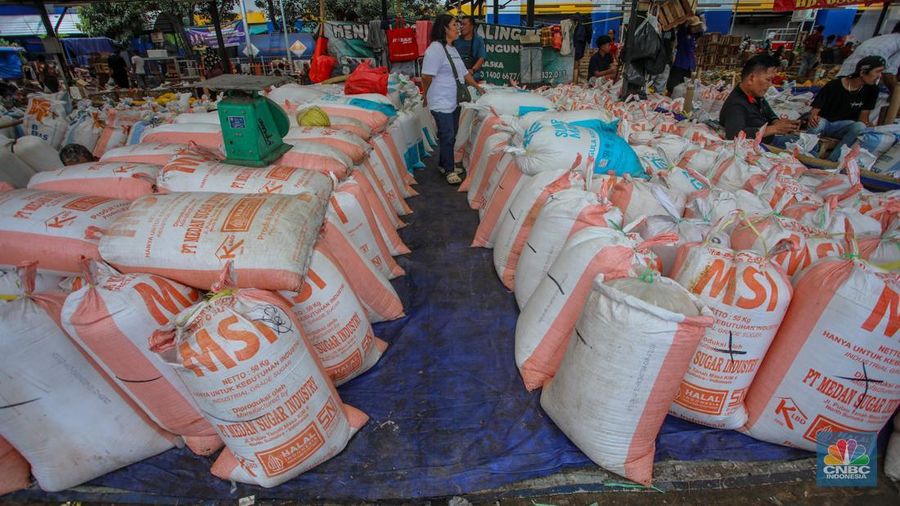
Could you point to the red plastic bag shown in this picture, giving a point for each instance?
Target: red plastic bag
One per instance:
(322, 64)
(320, 67)
(402, 44)
(365, 79)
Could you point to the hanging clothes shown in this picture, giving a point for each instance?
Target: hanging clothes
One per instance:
(567, 26)
(423, 34)
(546, 37)
(583, 33)
(377, 41)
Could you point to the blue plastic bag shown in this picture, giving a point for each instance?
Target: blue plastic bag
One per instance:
(598, 125)
(388, 110)
(615, 154)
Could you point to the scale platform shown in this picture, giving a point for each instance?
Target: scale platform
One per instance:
(238, 82)
(252, 125)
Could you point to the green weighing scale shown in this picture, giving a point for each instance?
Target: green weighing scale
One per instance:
(252, 125)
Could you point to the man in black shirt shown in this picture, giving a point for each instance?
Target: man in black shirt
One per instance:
(842, 107)
(602, 64)
(746, 110)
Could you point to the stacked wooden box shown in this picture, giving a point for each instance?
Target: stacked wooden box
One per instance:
(581, 66)
(717, 50)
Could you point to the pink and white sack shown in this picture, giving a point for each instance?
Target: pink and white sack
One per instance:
(284, 417)
(114, 180)
(334, 320)
(523, 212)
(112, 318)
(59, 393)
(749, 295)
(565, 213)
(191, 172)
(546, 321)
(621, 371)
(836, 337)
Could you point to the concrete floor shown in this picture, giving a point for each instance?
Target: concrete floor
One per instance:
(676, 483)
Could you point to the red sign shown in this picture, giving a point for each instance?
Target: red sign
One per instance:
(799, 5)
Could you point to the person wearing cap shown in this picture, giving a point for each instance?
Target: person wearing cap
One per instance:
(811, 46)
(685, 52)
(886, 46)
(841, 108)
(602, 63)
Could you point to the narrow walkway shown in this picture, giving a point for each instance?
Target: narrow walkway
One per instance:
(448, 412)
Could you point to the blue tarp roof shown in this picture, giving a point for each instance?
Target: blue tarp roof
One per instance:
(10, 63)
(87, 45)
(76, 46)
(80, 48)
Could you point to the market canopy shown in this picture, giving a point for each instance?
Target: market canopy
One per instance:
(799, 5)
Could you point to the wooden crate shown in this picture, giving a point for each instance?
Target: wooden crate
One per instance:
(581, 66)
(675, 12)
(671, 12)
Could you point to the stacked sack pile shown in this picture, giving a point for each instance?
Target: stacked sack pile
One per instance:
(50, 122)
(161, 297)
(679, 273)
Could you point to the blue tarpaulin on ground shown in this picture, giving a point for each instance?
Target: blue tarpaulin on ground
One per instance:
(448, 412)
(10, 62)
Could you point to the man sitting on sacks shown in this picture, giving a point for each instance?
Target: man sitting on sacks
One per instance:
(842, 107)
(746, 110)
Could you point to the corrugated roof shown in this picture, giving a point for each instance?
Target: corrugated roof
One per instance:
(29, 25)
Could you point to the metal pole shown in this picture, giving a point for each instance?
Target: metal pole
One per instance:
(893, 107)
(220, 39)
(56, 29)
(246, 31)
(629, 43)
(59, 21)
(529, 14)
(284, 27)
(733, 16)
(884, 10)
(496, 12)
(51, 33)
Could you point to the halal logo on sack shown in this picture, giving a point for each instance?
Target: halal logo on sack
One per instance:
(846, 459)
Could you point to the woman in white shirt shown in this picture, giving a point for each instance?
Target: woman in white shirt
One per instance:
(440, 90)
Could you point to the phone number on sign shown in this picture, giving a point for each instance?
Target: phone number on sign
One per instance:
(505, 76)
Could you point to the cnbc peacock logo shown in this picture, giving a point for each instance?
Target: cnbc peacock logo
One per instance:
(848, 459)
(847, 453)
